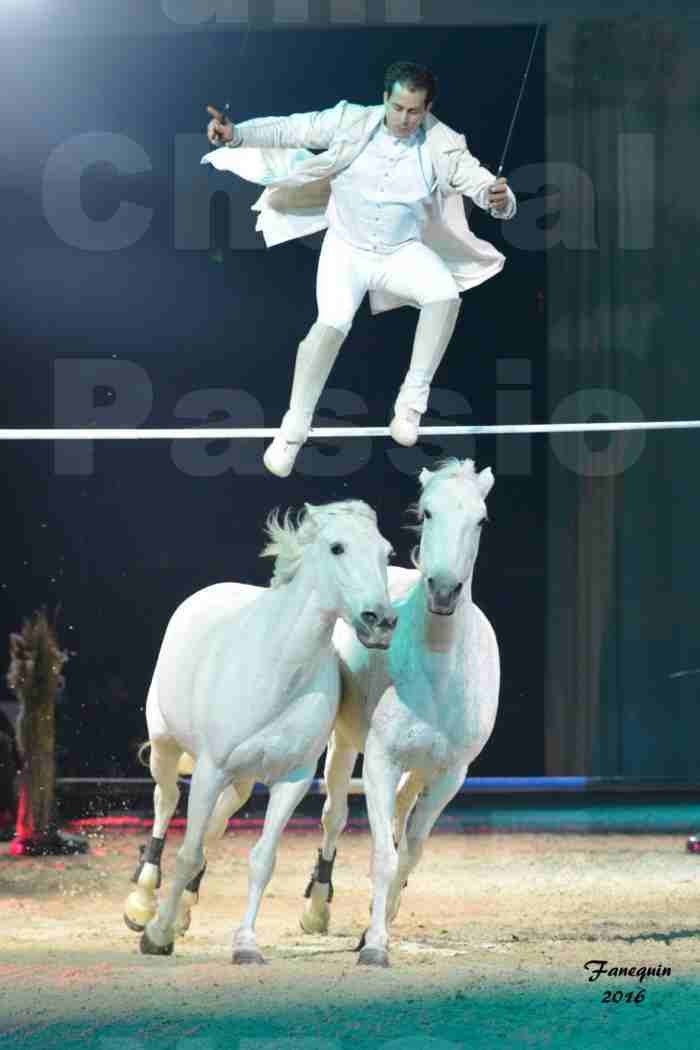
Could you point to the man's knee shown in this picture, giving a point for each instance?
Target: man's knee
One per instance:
(447, 296)
(341, 326)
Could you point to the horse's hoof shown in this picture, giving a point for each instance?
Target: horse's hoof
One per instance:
(314, 923)
(139, 908)
(373, 957)
(148, 947)
(135, 926)
(248, 957)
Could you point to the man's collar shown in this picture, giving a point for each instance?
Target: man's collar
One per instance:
(430, 124)
(417, 136)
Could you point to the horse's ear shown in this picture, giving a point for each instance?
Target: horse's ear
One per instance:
(485, 481)
(424, 477)
(310, 509)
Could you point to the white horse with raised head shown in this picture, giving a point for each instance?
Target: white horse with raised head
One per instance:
(421, 712)
(247, 682)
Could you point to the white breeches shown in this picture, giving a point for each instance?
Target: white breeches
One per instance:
(345, 275)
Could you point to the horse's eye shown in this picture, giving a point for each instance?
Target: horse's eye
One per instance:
(391, 554)
(485, 521)
(427, 514)
(337, 548)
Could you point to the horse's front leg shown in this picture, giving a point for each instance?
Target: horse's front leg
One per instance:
(381, 777)
(340, 761)
(285, 796)
(206, 786)
(428, 808)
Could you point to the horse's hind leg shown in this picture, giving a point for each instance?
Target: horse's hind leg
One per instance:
(340, 761)
(141, 904)
(207, 784)
(427, 810)
(285, 796)
(229, 802)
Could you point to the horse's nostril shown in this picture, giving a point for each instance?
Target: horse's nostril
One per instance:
(431, 582)
(369, 618)
(390, 622)
(458, 588)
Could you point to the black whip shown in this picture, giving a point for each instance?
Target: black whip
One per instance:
(517, 104)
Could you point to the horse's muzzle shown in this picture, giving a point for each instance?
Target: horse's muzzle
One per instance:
(374, 630)
(442, 600)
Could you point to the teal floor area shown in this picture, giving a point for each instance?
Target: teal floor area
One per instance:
(551, 1016)
(634, 817)
(490, 950)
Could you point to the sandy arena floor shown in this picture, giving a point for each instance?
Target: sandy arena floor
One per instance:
(488, 950)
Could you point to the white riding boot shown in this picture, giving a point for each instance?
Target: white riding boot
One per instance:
(433, 333)
(315, 358)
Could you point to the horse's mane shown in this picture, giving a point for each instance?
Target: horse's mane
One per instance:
(289, 537)
(450, 468)
(446, 468)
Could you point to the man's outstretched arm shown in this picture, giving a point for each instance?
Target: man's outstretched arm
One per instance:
(299, 131)
(468, 177)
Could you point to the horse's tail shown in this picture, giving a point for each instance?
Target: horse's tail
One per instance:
(185, 766)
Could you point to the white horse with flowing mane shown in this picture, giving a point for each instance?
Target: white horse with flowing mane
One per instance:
(421, 712)
(247, 681)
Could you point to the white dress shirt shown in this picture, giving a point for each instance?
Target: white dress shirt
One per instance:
(379, 202)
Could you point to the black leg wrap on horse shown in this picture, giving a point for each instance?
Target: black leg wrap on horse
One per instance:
(150, 853)
(193, 884)
(322, 873)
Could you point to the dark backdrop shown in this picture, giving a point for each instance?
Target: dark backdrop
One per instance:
(120, 537)
(623, 665)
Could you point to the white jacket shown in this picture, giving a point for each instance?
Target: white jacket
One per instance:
(275, 153)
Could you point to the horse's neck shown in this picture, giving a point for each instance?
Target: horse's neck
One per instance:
(300, 625)
(443, 634)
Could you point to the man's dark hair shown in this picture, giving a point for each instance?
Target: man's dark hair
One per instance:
(413, 76)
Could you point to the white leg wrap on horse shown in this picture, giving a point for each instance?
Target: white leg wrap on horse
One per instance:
(315, 359)
(434, 330)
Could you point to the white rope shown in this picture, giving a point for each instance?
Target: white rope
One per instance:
(222, 433)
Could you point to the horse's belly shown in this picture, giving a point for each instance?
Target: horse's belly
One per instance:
(293, 741)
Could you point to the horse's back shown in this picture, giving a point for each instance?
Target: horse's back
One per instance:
(219, 599)
(193, 622)
(203, 612)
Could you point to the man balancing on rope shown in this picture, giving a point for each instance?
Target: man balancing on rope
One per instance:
(387, 187)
